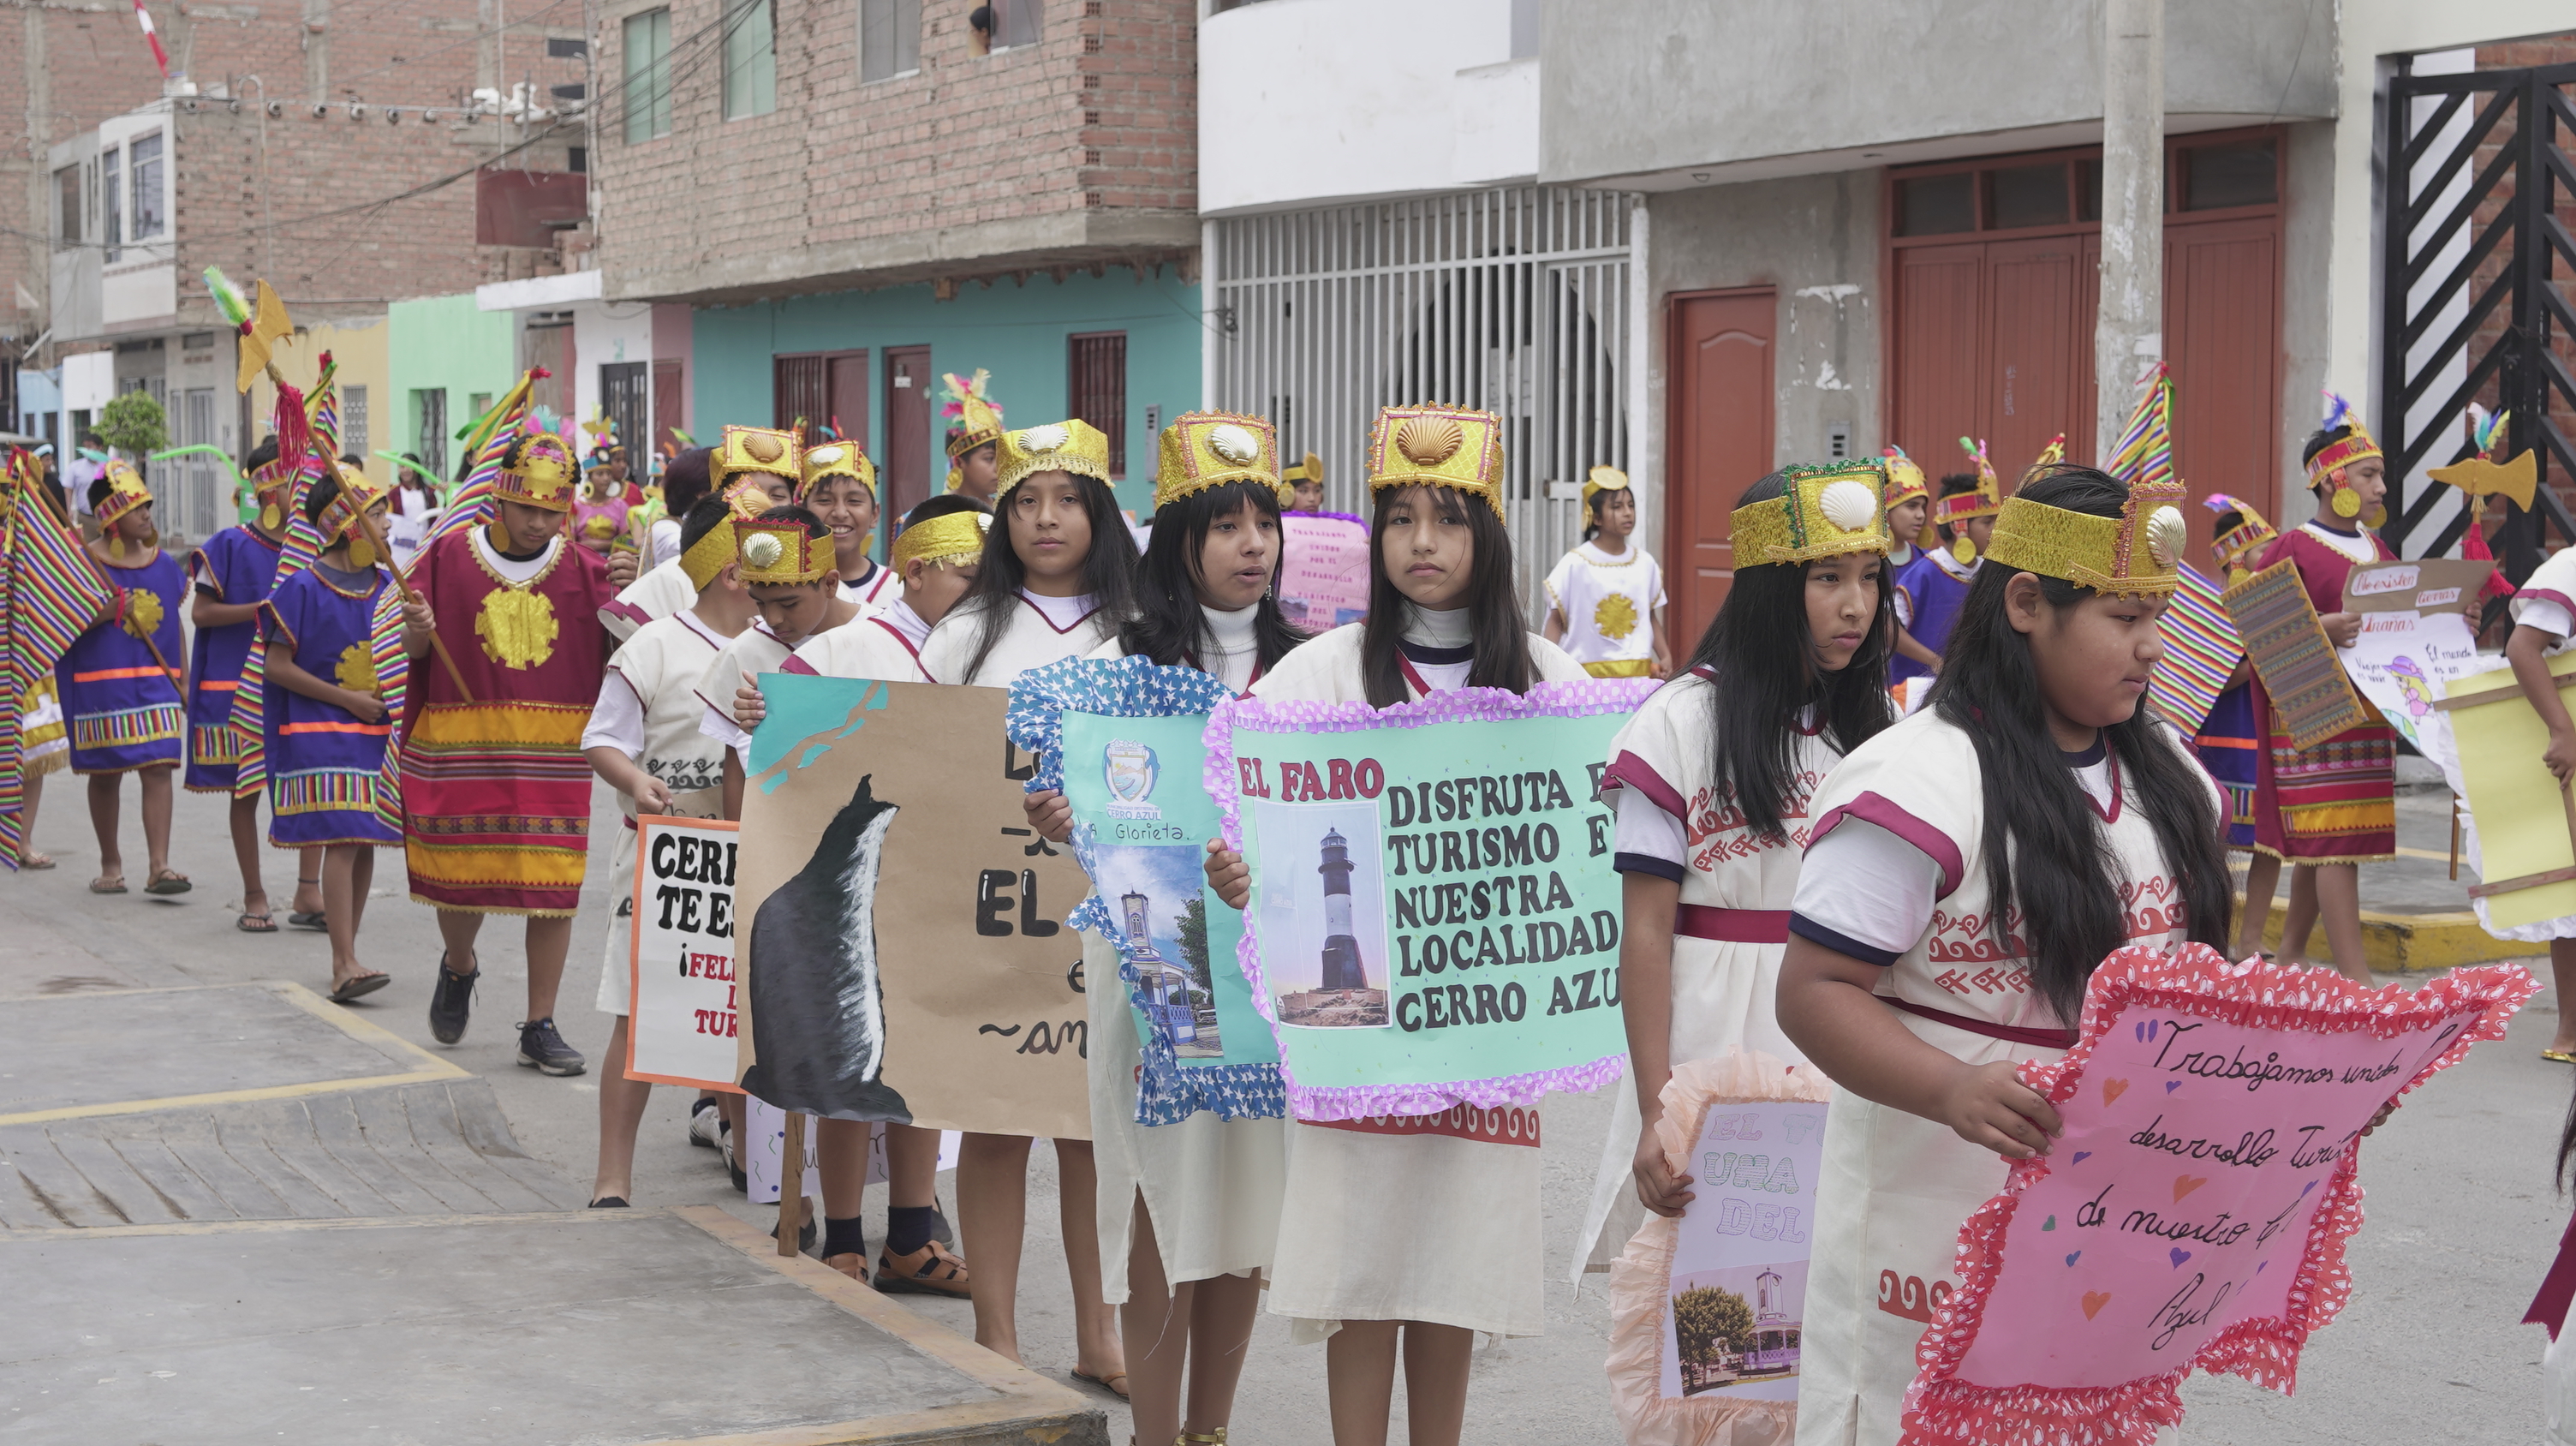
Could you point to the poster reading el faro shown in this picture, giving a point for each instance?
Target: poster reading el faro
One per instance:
(1434, 918)
(682, 1019)
(904, 955)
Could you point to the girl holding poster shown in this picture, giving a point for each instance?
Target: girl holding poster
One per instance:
(1057, 577)
(1713, 776)
(1970, 867)
(1412, 1230)
(1189, 1212)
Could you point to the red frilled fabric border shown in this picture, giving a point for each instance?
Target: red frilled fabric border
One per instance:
(2194, 979)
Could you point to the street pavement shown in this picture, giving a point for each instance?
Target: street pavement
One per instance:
(2462, 1213)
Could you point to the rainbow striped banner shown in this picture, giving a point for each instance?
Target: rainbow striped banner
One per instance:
(49, 591)
(2201, 650)
(489, 442)
(2145, 453)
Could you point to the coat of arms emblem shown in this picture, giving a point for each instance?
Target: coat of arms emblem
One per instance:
(1131, 770)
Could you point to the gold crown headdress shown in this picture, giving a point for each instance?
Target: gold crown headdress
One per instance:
(835, 459)
(974, 418)
(1821, 512)
(1983, 500)
(2356, 446)
(1429, 445)
(1904, 477)
(342, 515)
(273, 483)
(781, 554)
(2237, 543)
(943, 541)
(2136, 554)
(1072, 446)
(1310, 470)
(2049, 456)
(1601, 479)
(1201, 450)
(764, 450)
(538, 471)
(126, 493)
(708, 555)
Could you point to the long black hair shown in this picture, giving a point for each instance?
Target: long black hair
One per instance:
(2046, 860)
(1108, 568)
(1168, 625)
(1494, 615)
(1762, 653)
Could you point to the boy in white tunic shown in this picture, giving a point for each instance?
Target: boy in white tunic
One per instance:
(753, 469)
(644, 741)
(1606, 598)
(1924, 963)
(841, 488)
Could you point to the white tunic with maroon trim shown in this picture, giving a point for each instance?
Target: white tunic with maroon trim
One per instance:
(1040, 630)
(1733, 923)
(1895, 1186)
(1430, 1218)
(659, 593)
(879, 646)
(881, 589)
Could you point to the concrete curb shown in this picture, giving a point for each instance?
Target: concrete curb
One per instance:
(2412, 943)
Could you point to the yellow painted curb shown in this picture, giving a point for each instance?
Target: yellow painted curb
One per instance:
(2410, 943)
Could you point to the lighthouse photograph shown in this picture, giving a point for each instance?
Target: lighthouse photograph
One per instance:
(1321, 893)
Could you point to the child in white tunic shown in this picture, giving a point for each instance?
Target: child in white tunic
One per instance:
(1058, 576)
(2544, 621)
(1189, 1212)
(1713, 777)
(643, 740)
(841, 488)
(1969, 869)
(751, 482)
(1408, 1231)
(1605, 598)
(791, 571)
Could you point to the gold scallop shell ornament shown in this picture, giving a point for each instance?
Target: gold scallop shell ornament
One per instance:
(1850, 506)
(1234, 444)
(762, 550)
(1429, 441)
(1048, 438)
(2167, 536)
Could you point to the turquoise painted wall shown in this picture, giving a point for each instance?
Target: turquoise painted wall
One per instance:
(444, 343)
(1017, 332)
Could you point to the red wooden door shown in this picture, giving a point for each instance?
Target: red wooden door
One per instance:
(846, 395)
(668, 407)
(1719, 439)
(2032, 375)
(1940, 299)
(909, 456)
(2222, 325)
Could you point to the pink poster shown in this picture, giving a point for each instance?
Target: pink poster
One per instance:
(2193, 1215)
(1324, 574)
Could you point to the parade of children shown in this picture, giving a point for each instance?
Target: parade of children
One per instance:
(1814, 908)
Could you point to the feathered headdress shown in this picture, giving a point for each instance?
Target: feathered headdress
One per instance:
(974, 418)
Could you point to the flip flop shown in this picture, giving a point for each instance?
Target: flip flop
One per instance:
(104, 885)
(264, 924)
(35, 862)
(358, 985)
(168, 882)
(312, 921)
(1113, 1383)
(2558, 1056)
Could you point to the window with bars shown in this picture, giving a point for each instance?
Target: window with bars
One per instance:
(151, 217)
(354, 435)
(750, 59)
(67, 201)
(429, 405)
(1096, 391)
(646, 53)
(889, 38)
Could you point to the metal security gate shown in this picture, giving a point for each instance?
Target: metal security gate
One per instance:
(1515, 302)
(2479, 285)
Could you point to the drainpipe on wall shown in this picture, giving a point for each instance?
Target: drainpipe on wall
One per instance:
(2128, 334)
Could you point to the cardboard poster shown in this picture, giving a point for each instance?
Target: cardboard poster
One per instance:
(2201, 650)
(2417, 634)
(681, 1026)
(1737, 1291)
(905, 955)
(2299, 666)
(2526, 858)
(1323, 569)
(1434, 918)
(2194, 1213)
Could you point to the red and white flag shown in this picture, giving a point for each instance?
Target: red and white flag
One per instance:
(152, 37)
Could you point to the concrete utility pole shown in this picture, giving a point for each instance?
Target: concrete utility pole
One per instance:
(2129, 332)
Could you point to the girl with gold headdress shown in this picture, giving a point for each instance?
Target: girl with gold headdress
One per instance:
(334, 674)
(1056, 578)
(233, 573)
(1403, 1238)
(120, 681)
(1936, 583)
(2328, 809)
(1606, 598)
(2008, 822)
(1711, 780)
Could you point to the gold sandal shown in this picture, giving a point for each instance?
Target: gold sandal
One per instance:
(1195, 1438)
(2558, 1057)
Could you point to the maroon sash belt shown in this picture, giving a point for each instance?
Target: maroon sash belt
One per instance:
(1732, 926)
(2044, 1038)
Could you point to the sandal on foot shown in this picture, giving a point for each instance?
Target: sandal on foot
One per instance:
(256, 923)
(2556, 1056)
(850, 1263)
(356, 985)
(313, 921)
(107, 884)
(35, 862)
(1201, 1438)
(1115, 1383)
(932, 1270)
(168, 882)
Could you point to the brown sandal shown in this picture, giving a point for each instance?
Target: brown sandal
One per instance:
(850, 1263)
(931, 1270)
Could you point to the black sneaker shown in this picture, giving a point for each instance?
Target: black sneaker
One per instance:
(542, 1048)
(451, 1002)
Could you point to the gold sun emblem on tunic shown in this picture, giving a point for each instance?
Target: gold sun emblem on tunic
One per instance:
(142, 612)
(517, 627)
(357, 669)
(1615, 616)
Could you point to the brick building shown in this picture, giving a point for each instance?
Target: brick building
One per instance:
(829, 204)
